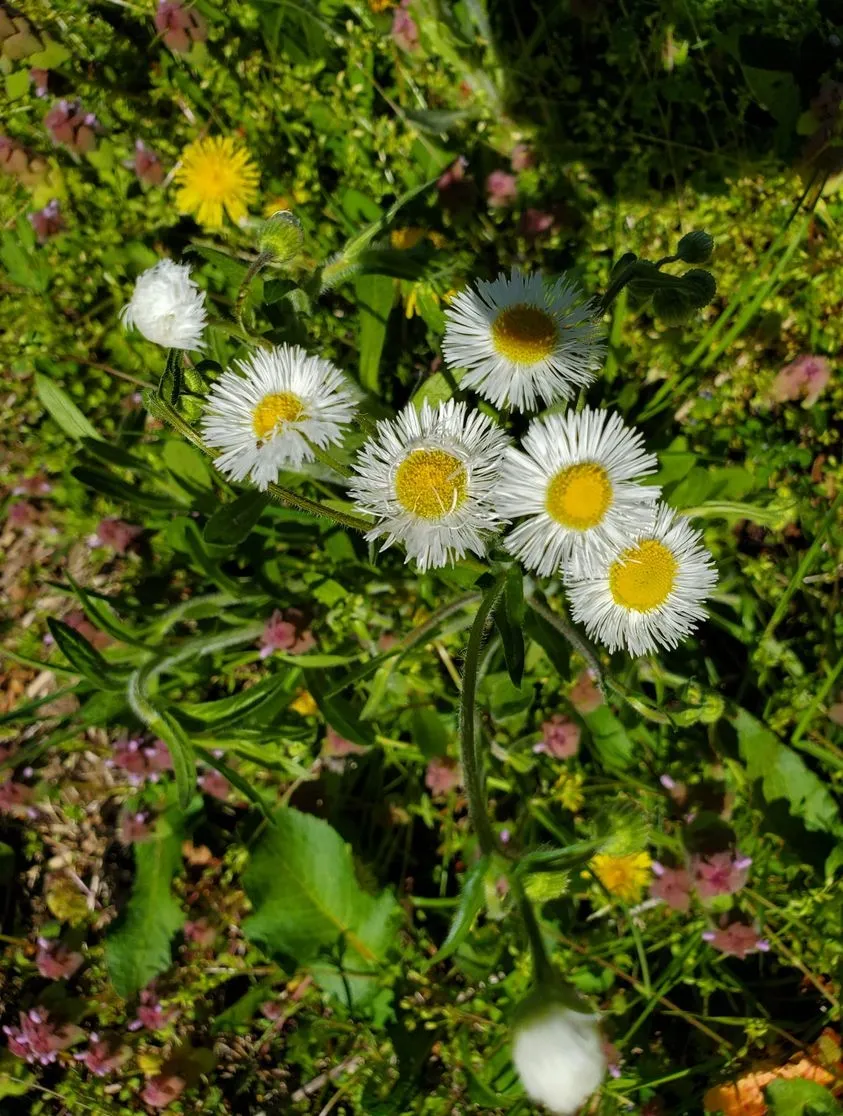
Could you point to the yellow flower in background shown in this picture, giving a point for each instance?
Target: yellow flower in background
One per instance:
(568, 790)
(377, 6)
(304, 704)
(625, 877)
(276, 205)
(406, 238)
(216, 174)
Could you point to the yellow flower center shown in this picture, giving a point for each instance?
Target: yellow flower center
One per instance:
(430, 483)
(275, 410)
(579, 496)
(524, 334)
(643, 577)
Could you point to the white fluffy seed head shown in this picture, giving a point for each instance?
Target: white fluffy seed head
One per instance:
(167, 307)
(559, 1055)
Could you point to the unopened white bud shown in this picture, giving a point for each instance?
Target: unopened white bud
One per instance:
(167, 307)
(558, 1052)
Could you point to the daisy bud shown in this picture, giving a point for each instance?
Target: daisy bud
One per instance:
(281, 236)
(695, 247)
(557, 1049)
(167, 307)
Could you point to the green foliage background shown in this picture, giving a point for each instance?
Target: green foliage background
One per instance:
(647, 120)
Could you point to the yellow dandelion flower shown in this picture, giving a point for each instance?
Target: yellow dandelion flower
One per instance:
(378, 6)
(216, 173)
(304, 704)
(623, 876)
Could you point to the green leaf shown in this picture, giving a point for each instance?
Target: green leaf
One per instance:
(375, 295)
(188, 466)
(783, 774)
(21, 259)
(106, 483)
(437, 121)
(137, 946)
(237, 781)
(472, 897)
(798, 1097)
(62, 409)
(110, 454)
(435, 389)
(609, 738)
(232, 710)
(240, 1013)
(102, 616)
(307, 902)
(509, 620)
(551, 642)
(337, 712)
(428, 732)
(232, 523)
(83, 656)
(181, 751)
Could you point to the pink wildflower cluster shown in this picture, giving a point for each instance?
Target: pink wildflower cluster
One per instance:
(286, 631)
(141, 762)
(501, 189)
(146, 165)
(163, 1089)
(736, 939)
(55, 960)
(151, 1012)
(585, 696)
(103, 1056)
(722, 873)
(135, 826)
(81, 624)
(36, 485)
(443, 775)
(116, 534)
(68, 123)
(405, 32)
(37, 1039)
(179, 26)
(804, 378)
(47, 221)
(560, 738)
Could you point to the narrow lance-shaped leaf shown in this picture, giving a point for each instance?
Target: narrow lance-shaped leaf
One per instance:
(61, 407)
(83, 656)
(470, 905)
(509, 620)
(233, 522)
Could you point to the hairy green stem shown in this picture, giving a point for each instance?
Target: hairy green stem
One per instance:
(543, 970)
(256, 265)
(471, 763)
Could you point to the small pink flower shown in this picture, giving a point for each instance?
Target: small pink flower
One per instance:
(179, 26)
(134, 827)
(81, 624)
(37, 1039)
(200, 932)
(672, 886)
(560, 738)
(443, 775)
(152, 1014)
(522, 157)
(39, 79)
(117, 534)
(835, 713)
(141, 762)
(719, 874)
(805, 377)
(336, 750)
(56, 961)
(22, 514)
(14, 797)
(736, 939)
(68, 123)
(613, 1058)
(405, 33)
(103, 1056)
(457, 190)
(285, 631)
(163, 1090)
(585, 696)
(215, 784)
(146, 165)
(47, 221)
(501, 189)
(37, 485)
(535, 223)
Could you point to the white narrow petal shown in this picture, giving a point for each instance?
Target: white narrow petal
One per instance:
(167, 307)
(474, 440)
(642, 632)
(229, 421)
(573, 361)
(559, 1057)
(556, 443)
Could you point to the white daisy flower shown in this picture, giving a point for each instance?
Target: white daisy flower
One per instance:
(559, 1056)
(572, 479)
(649, 593)
(523, 340)
(259, 420)
(428, 477)
(167, 307)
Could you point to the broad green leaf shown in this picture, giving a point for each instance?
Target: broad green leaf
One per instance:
(188, 466)
(232, 523)
(435, 389)
(609, 739)
(509, 620)
(551, 642)
(337, 712)
(799, 1097)
(137, 945)
(472, 896)
(428, 732)
(784, 774)
(309, 906)
(84, 657)
(375, 295)
(62, 409)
